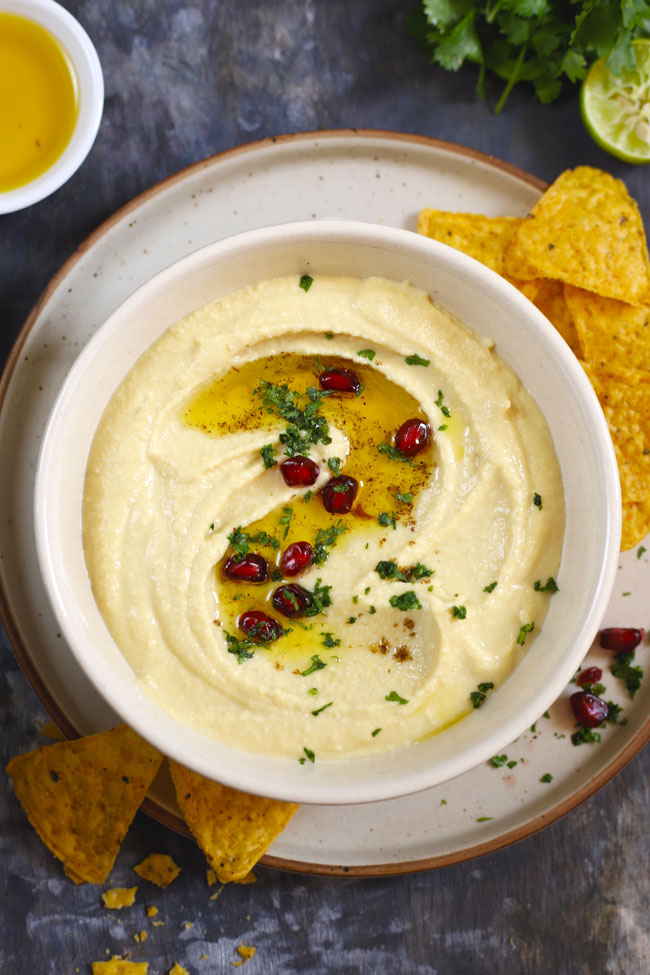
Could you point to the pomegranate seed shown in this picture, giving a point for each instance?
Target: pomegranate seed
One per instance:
(296, 558)
(246, 568)
(258, 626)
(413, 437)
(589, 710)
(299, 471)
(340, 381)
(291, 599)
(620, 638)
(339, 494)
(589, 676)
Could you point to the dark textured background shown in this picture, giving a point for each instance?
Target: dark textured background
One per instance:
(184, 81)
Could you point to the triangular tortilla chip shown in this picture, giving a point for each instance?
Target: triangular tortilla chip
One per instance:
(234, 829)
(158, 869)
(81, 796)
(551, 302)
(611, 333)
(585, 230)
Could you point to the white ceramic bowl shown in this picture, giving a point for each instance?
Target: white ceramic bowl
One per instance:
(75, 41)
(524, 338)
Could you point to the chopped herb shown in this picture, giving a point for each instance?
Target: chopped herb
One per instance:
(325, 538)
(394, 454)
(484, 819)
(241, 541)
(443, 802)
(309, 754)
(625, 671)
(537, 501)
(546, 714)
(443, 409)
(547, 777)
(316, 664)
(478, 696)
(313, 691)
(211, 526)
(388, 569)
(276, 575)
(308, 496)
(329, 335)
(318, 710)
(355, 600)
(320, 599)
(372, 610)
(585, 736)
(351, 619)
(405, 601)
(627, 594)
(491, 587)
(366, 590)
(394, 696)
(459, 612)
(533, 727)
(242, 649)
(526, 628)
(499, 760)
(597, 689)
(375, 732)
(386, 519)
(285, 519)
(305, 282)
(268, 453)
(419, 571)
(304, 424)
(334, 464)
(406, 498)
(416, 360)
(330, 641)
(614, 712)
(512, 763)
(550, 585)
(367, 354)
(640, 551)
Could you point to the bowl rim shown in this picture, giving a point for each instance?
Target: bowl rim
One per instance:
(484, 276)
(83, 56)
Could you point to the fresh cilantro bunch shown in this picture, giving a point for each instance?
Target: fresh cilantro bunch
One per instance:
(545, 42)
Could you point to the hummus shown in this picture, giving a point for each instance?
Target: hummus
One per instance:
(422, 597)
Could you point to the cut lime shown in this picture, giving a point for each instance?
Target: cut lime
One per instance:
(616, 108)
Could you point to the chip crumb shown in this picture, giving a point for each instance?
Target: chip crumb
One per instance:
(250, 878)
(158, 869)
(188, 924)
(179, 970)
(50, 730)
(246, 952)
(158, 924)
(214, 896)
(140, 937)
(118, 897)
(118, 966)
(210, 877)
(152, 911)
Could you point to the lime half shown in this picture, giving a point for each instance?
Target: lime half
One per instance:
(616, 108)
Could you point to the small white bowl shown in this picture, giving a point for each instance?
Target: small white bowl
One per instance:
(524, 339)
(78, 46)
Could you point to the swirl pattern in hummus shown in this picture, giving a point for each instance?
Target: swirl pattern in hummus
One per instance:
(162, 496)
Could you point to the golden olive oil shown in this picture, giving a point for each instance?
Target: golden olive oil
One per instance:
(39, 100)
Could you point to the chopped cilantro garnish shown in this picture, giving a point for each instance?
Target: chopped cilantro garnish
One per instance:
(304, 424)
(523, 631)
(512, 763)
(308, 496)
(351, 619)
(330, 641)
(367, 354)
(499, 760)
(334, 464)
(585, 736)
(276, 575)
(394, 454)
(318, 710)
(537, 501)
(325, 538)
(394, 696)
(285, 519)
(372, 610)
(309, 754)
(478, 696)
(386, 519)
(329, 335)
(416, 360)
(241, 541)
(316, 664)
(405, 498)
(614, 712)
(624, 670)
(550, 585)
(490, 587)
(268, 453)
(355, 599)
(320, 599)
(547, 777)
(313, 691)
(388, 569)
(405, 601)
(375, 732)
(459, 612)
(305, 282)
(242, 649)
(640, 551)
(443, 409)
(484, 819)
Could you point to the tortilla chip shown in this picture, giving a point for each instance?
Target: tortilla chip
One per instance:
(118, 897)
(81, 796)
(610, 332)
(159, 869)
(116, 966)
(234, 829)
(551, 302)
(586, 231)
(636, 524)
(483, 238)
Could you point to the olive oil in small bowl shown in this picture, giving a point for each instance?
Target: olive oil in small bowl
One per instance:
(51, 98)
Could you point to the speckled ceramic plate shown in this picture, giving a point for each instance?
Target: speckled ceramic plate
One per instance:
(373, 176)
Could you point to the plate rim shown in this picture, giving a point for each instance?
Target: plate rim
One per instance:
(23, 655)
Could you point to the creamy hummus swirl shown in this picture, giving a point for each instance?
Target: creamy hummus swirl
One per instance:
(161, 498)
